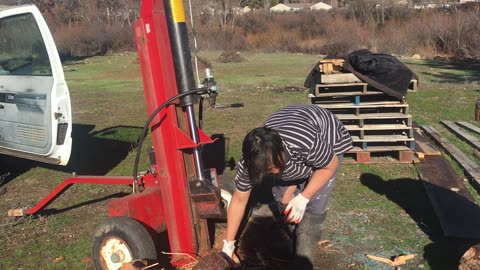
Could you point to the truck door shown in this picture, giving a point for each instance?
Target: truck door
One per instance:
(35, 112)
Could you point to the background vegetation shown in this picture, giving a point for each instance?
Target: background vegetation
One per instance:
(95, 27)
(378, 209)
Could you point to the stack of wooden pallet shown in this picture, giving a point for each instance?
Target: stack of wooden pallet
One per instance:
(378, 123)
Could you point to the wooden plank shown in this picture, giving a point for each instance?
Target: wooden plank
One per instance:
(378, 127)
(453, 205)
(472, 140)
(382, 138)
(341, 85)
(373, 116)
(423, 144)
(347, 94)
(337, 61)
(469, 126)
(327, 68)
(338, 78)
(380, 149)
(470, 167)
(366, 105)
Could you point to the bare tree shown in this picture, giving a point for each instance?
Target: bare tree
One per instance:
(226, 11)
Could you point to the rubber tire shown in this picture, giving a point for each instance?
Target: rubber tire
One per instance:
(135, 236)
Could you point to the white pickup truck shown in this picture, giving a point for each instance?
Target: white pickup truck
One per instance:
(35, 110)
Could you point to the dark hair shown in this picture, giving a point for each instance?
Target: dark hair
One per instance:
(261, 147)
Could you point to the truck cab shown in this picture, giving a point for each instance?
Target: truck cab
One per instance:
(35, 109)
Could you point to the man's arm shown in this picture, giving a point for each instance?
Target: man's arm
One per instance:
(288, 195)
(296, 207)
(319, 178)
(235, 213)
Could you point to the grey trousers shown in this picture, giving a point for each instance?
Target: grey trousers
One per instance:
(309, 231)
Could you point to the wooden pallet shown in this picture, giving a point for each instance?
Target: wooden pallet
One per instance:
(375, 119)
(378, 123)
(356, 93)
(366, 107)
(344, 89)
(381, 154)
(339, 78)
(348, 82)
(369, 142)
(375, 99)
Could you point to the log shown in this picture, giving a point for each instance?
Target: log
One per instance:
(470, 259)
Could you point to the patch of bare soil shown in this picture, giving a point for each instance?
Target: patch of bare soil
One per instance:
(266, 244)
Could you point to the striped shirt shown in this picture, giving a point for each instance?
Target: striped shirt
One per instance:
(311, 137)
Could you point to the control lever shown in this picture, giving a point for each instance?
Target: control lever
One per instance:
(210, 84)
(233, 105)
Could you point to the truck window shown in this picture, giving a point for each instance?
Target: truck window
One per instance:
(22, 50)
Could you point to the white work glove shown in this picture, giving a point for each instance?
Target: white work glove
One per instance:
(295, 209)
(228, 247)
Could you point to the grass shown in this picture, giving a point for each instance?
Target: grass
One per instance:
(377, 209)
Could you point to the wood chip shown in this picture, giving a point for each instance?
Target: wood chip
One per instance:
(380, 259)
(325, 244)
(397, 261)
(401, 260)
(58, 259)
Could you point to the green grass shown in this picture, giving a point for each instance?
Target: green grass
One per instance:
(378, 209)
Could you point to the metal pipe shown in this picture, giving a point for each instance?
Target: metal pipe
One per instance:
(196, 139)
(183, 70)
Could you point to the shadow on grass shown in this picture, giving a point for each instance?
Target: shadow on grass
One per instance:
(469, 68)
(444, 252)
(54, 211)
(93, 152)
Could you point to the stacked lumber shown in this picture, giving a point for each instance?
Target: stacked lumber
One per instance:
(377, 122)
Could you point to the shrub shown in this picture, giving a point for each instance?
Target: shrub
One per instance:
(84, 39)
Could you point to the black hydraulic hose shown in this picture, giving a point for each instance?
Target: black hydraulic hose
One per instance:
(147, 124)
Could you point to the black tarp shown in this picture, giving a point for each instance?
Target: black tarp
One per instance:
(381, 71)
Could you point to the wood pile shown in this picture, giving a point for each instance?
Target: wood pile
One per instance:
(377, 122)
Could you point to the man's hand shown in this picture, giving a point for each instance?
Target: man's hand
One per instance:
(295, 209)
(228, 247)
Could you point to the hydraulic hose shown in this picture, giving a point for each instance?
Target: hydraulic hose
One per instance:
(147, 124)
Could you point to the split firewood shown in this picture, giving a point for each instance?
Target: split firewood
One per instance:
(397, 261)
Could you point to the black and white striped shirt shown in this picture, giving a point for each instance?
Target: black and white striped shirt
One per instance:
(311, 137)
